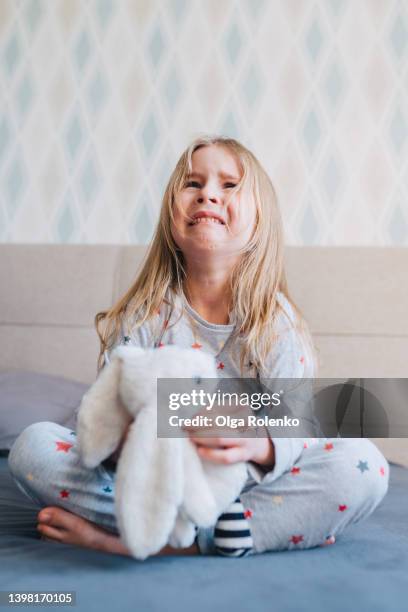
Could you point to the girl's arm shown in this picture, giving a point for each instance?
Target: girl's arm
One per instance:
(290, 362)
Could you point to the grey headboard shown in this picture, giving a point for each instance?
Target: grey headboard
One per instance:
(355, 300)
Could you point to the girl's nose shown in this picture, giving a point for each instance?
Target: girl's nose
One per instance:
(200, 200)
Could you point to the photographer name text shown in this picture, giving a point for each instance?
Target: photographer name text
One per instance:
(232, 422)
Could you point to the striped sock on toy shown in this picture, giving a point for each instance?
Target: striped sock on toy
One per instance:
(232, 535)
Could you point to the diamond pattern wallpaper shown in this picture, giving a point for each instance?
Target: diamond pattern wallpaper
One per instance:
(98, 98)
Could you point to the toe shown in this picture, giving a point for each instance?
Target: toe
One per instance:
(46, 514)
(57, 517)
(50, 533)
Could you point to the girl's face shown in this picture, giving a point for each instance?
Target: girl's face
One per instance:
(206, 218)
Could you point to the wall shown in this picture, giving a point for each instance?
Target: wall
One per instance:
(100, 97)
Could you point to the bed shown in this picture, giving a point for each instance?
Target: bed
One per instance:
(46, 327)
(366, 569)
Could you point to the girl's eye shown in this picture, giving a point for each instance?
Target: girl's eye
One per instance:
(192, 184)
(196, 184)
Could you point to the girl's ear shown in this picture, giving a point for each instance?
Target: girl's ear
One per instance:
(102, 418)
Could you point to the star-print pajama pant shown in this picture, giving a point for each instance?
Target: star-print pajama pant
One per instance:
(334, 483)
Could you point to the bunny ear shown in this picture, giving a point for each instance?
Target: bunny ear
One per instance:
(198, 499)
(149, 487)
(102, 418)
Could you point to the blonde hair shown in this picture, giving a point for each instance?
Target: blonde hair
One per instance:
(255, 281)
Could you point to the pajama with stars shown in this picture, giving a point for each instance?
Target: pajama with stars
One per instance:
(316, 488)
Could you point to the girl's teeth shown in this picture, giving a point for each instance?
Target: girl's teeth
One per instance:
(206, 219)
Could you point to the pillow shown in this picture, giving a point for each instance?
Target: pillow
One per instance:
(30, 397)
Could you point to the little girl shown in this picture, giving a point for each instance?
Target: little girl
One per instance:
(213, 280)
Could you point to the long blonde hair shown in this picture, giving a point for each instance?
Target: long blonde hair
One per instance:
(255, 281)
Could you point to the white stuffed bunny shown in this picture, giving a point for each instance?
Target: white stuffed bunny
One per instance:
(163, 488)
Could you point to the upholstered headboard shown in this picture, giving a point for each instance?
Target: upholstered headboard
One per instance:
(355, 300)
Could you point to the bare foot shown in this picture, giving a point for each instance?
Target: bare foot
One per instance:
(69, 528)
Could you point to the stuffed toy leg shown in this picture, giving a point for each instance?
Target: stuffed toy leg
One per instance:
(220, 484)
(225, 483)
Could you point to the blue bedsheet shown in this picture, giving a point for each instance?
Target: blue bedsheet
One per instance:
(367, 568)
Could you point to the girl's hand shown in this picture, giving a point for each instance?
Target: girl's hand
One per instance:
(226, 449)
(233, 450)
